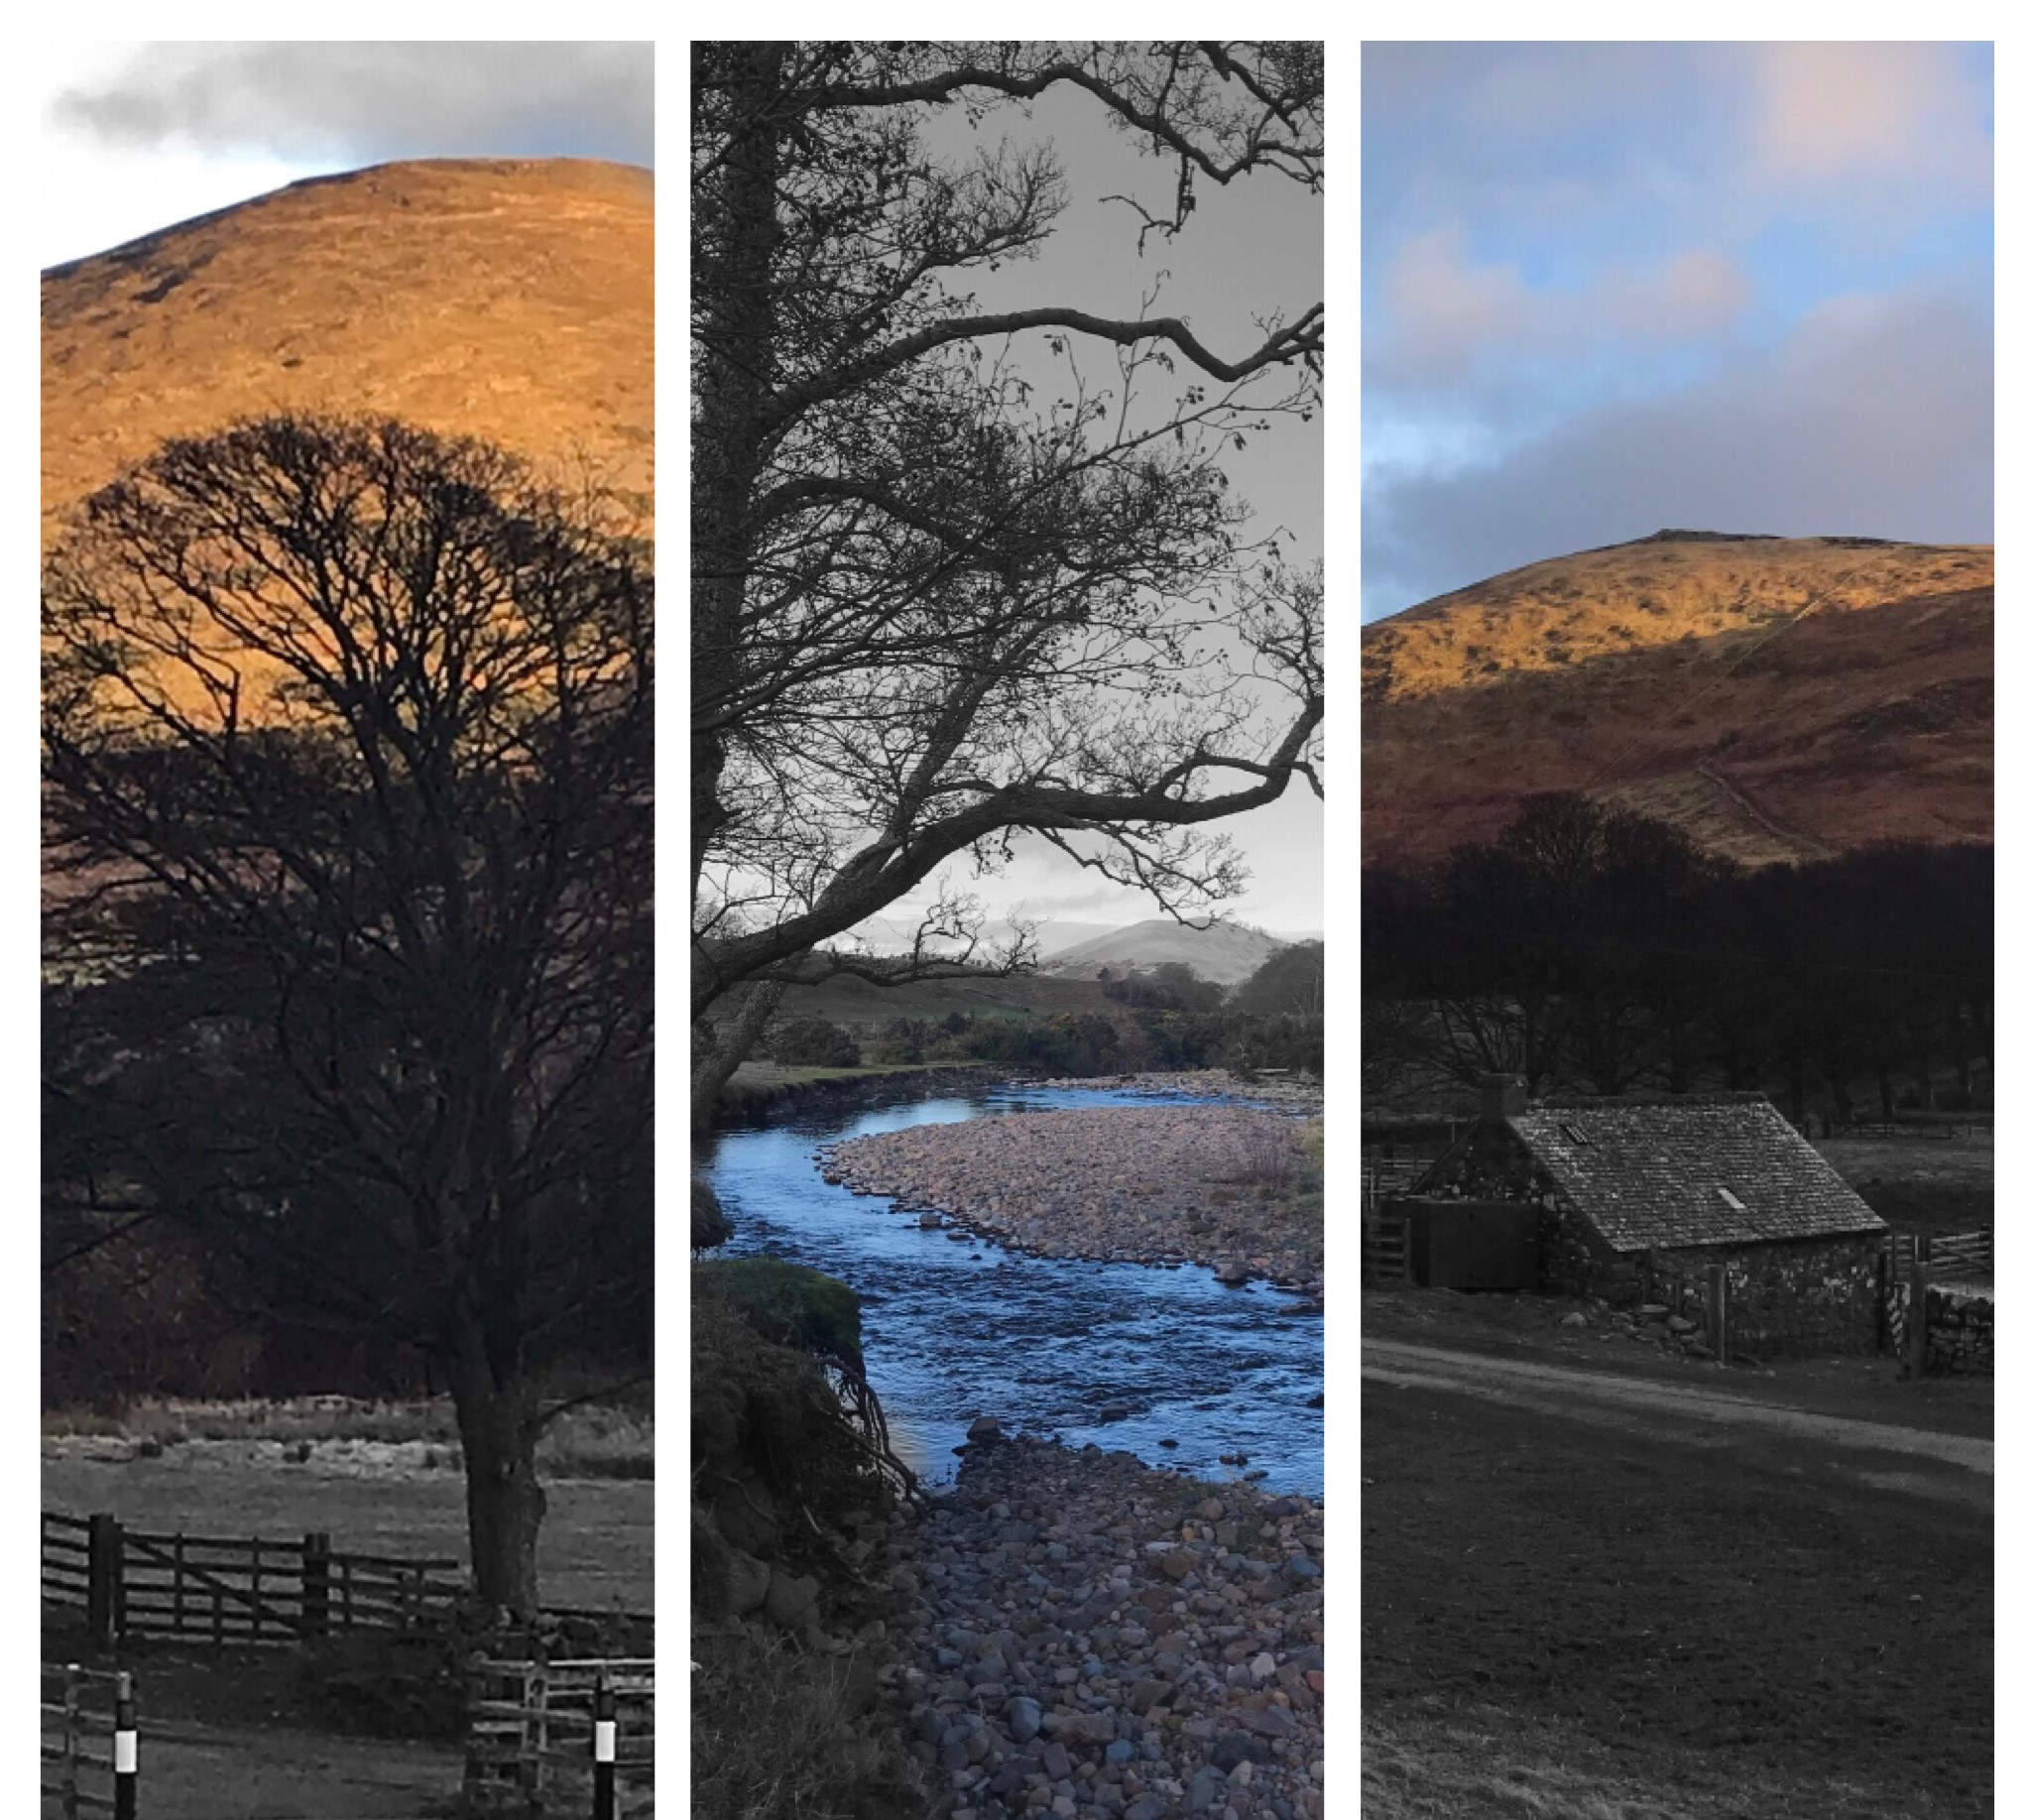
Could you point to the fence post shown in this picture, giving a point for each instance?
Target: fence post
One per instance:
(1717, 1310)
(603, 1749)
(105, 1601)
(126, 1758)
(71, 1740)
(317, 1619)
(1914, 1320)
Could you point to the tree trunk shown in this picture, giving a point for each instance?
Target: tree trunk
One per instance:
(503, 1503)
(735, 1038)
(732, 378)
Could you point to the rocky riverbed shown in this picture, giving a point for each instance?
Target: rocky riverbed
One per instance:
(1302, 1093)
(1098, 1640)
(1211, 1184)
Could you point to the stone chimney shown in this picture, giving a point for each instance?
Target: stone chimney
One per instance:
(1502, 1096)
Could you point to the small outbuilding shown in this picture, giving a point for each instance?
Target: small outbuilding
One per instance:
(1638, 1198)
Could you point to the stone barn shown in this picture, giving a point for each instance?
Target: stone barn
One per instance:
(1639, 1196)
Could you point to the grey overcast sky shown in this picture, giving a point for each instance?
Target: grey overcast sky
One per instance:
(1613, 288)
(1253, 249)
(136, 136)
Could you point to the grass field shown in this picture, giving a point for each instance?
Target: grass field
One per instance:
(1562, 1621)
(1919, 1184)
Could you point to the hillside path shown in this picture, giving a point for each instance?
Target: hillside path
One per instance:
(1800, 843)
(1698, 1417)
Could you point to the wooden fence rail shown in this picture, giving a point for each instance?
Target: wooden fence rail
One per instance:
(539, 1732)
(231, 1591)
(1385, 1247)
(87, 1755)
(1946, 1255)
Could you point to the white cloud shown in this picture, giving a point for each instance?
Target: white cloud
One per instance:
(1876, 418)
(362, 102)
(1835, 114)
(1444, 312)
(1443, 309)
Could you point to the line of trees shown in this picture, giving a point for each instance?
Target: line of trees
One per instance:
(1593, 949)
(1162, 1018)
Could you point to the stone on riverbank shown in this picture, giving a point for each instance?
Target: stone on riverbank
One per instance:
(1152, 1689)
(1225, 1186)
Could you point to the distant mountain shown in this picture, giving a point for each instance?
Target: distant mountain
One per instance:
(1225, 953)
(511, 299)
(1778, 699)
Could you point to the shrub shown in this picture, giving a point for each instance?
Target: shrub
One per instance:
(710, 1228)
(790, 1304)
(813, 1042)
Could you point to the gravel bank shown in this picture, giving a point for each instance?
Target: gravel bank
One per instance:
(1155, 1185)
(1290, 1093)
(1100, 1639)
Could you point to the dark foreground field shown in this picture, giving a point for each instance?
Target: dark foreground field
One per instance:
(1584, 1621)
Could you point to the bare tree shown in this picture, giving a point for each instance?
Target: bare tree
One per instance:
(936, 603)
(346, 740)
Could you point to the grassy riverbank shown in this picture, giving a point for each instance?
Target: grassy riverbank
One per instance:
(759, 1084)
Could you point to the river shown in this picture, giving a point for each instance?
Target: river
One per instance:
(1126, 1354)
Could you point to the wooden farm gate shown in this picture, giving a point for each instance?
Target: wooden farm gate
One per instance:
(234, 1590)
(533, 1739)
(86, 1768)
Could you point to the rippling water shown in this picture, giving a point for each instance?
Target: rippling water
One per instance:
(952, 1330)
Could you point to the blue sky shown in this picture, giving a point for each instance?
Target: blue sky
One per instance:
(1607, 289)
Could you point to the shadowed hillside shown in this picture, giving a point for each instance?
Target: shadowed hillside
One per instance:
(1225, 953)
(1778, 699)
(509, 299)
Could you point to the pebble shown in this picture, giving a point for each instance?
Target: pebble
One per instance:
(1149, 1184)
(1109, 1612)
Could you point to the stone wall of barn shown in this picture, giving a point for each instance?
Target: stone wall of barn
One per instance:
(1786, 1297)
(1959, 1330)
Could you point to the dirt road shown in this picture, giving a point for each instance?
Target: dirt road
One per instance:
(1952, 1466)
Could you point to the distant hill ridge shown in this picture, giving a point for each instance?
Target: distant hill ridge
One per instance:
(1226, 953)
(1779, 698)
(507, 298)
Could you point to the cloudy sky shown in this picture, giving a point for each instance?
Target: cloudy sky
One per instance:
(1609, 288)
(136, 136)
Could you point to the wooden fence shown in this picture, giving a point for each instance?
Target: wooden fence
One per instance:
(1946, 1255)
(234, 1590)
(254, 1590)
(86, 1768)
(1384, 1177)
(533, 1737)
(1385, 1247)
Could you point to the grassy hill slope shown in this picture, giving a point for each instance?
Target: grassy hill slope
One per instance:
(1778, 699)
(512, 299)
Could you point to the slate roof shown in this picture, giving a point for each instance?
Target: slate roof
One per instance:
(1719, 1170)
